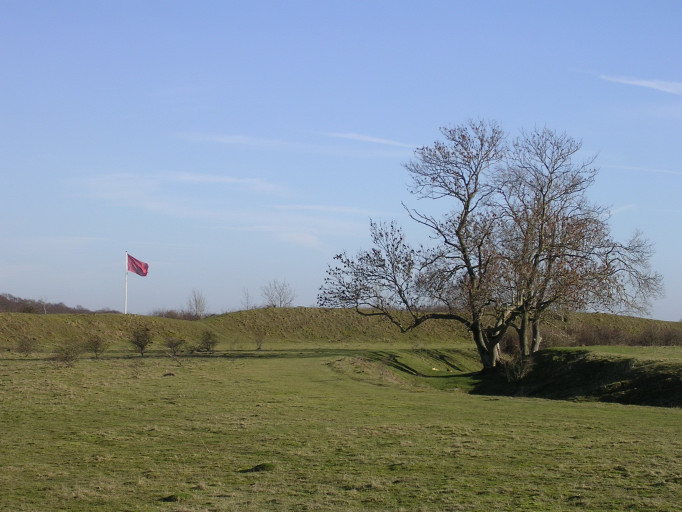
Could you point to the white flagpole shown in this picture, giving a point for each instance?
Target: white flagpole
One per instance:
(125, 302)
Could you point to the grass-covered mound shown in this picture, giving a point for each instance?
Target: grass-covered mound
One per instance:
(325, 325)
(47, 330)
(269, 325)
(439, 354)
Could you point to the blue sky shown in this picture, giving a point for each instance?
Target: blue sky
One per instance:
(228, 144)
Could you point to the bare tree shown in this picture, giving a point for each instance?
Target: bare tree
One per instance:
(141, 338)
(207, 342)
(96, 344)
(458, 273)
(278, 294)
(557, 246)
(175, 345)
(26, 345)
(68, 351)
(247, 302)
(519, 238)
(196, 304)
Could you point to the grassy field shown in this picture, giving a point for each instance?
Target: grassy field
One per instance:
(316, 426)
(641, 353)
(333, 412)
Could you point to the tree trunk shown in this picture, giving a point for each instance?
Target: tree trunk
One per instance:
(524, 342)
(537, 338)
(489, 353)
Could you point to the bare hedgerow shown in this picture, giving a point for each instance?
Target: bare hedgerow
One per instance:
(586, 335)
(657, 335)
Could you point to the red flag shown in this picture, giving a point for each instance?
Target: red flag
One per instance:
(137, 266)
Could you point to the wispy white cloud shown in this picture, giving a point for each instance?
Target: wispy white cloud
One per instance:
(390, 148)
(123, 188)
(52, 242)
(370, 139)
(342, 210)
(155, 192)
(255, 184)
(303, 225)
(621, 209)
(658, 85)
(247, 140)
(644, 169)
(129, 185)
(307, 240)
(237, 140)
(305, 232)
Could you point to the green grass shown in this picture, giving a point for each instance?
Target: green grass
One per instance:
(326, 426)
(640, 353)
(336, 412)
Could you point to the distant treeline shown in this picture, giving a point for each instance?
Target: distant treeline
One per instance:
(11, 304)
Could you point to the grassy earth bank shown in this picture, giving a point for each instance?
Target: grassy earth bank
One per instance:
(438, 353)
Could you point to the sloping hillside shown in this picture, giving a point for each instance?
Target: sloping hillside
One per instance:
(47, 330)
(439, 354)
(322, 325)
(269, 324)
(326, 325)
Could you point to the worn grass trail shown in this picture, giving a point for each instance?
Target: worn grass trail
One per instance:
(317, 430)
